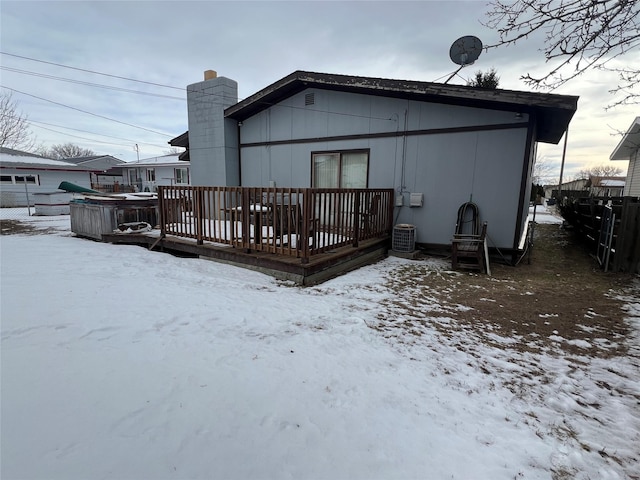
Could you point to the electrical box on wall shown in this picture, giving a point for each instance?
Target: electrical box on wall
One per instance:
(399, 200)
(416, 199)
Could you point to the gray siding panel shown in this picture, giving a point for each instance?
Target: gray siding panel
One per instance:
(632, 185)
(483, 166)
(340, 113)
(449, 169)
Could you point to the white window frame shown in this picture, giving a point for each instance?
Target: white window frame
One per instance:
(340, 154)
(178, 176)
(132, 176)
(18, 179)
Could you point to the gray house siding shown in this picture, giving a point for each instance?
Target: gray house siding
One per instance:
(632, 186)
(449, 155)
(628, 149)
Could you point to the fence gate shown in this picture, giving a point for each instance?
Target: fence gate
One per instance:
(605, 240)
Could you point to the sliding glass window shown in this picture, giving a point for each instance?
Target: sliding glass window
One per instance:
(346, 169)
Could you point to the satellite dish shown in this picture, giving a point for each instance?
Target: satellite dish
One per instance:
(465, 50)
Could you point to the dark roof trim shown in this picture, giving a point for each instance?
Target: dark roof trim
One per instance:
(553, 112)
(399, 133)
(181, 140)
(91, 158)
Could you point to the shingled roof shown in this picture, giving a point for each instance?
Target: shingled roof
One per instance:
(552, 112)
(10, 158)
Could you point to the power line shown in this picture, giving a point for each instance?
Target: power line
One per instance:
(27, 72)
(38, 124)
(268, 104)
(88, 84)
(86, 131)
(77, 136)
(182, 89)
(88, 113)
(91, 71)
(96, 133)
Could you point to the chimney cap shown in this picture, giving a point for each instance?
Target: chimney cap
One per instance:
(210, 74)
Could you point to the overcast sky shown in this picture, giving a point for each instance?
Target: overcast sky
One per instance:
(256, 44)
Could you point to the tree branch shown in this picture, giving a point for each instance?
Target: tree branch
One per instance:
(585, 34)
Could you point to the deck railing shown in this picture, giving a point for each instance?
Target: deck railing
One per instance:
(297, 222)
(112, 187)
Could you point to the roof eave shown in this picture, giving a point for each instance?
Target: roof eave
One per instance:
(629, 142)
(45, 167)
(554, 112)
(181, 140)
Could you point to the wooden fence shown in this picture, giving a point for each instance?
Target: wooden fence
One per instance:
(627, 253)
(611, 226)
(297, 222)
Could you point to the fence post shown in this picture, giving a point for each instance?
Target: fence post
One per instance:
(627, 254)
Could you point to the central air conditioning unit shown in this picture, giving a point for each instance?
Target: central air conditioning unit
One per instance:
(404, 238)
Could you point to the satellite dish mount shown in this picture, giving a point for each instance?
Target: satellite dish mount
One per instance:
(464, 51)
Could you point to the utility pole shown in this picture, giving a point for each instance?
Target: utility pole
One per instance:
(564, 152)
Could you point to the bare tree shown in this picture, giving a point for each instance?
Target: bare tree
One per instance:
(173, 151)
(66, 150)
(584, 34)
(14, 126)
(599, 171)
(543, 172)
(488, 79)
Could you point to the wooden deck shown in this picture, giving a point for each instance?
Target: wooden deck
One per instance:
(304, 235)
(296, 222)
(319, 268)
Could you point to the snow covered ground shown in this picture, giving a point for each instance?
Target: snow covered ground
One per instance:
(121, 363)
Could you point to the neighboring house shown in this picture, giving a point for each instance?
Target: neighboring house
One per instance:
(605, 186)
(575, 185)
(23, 174)
(629, 149)
(593, 186)
(108, 170)
(146, 174)
(437, 145)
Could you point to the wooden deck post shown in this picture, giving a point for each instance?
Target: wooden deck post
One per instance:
(162, 206)
(390, 206)
(199, 208)
(356, 220)
(245, 205)
(307, 200)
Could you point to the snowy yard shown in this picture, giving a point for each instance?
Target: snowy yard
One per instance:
(121, 363)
